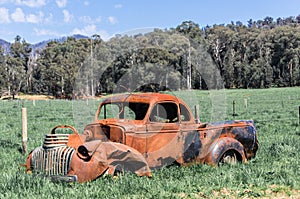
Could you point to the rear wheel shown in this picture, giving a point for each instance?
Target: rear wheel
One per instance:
(229, 157)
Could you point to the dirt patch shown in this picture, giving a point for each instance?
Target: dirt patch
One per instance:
(28, 97)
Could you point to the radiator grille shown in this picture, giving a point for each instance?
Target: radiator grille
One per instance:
(52, 161)
(55, 140)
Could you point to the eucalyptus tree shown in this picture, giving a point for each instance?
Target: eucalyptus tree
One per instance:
(2, 71)
(286, 51)
(92, 68)
(59, 64)
(18, 66)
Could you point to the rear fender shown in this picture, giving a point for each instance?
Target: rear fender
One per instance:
(221, 146)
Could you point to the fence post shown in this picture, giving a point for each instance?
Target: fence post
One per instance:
(24, 130)
(197, 118)
(233, 108)
(246, 103)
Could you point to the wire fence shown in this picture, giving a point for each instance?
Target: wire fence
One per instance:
(267, 110)
(62, 111)
(43, 115)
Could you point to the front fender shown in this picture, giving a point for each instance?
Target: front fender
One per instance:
(87, 170)
(93, 159)
(221, 146)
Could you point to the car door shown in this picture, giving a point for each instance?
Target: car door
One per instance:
(162, 141)
(191, 137)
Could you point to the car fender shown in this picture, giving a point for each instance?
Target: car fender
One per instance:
(95, 158)
(222, 145)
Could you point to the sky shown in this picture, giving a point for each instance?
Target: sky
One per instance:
(38, 20)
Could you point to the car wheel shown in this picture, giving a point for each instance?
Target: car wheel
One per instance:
(229, 157)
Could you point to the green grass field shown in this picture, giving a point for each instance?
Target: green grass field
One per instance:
(275, 172)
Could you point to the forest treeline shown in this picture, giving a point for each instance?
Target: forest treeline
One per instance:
(261, 54)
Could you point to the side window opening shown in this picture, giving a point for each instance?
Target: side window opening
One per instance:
(109, 111)
(120, 110)
(128, 113)
(184, 113)
(139, 109)
(164, 112)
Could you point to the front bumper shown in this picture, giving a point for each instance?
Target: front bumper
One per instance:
(59, 178)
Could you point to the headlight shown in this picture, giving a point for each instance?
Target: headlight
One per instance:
(83, 153)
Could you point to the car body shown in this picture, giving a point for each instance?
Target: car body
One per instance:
(140, 132)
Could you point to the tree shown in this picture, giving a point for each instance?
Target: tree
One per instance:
(2, 70)
(98, 59)
(219, 38)
(262, 54)
(191, 30)
(18, 66)
(59, 65)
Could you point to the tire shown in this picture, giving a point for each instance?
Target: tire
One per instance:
(230, 158)
(226, 151)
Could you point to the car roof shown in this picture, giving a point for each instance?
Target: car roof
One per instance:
(141, 97)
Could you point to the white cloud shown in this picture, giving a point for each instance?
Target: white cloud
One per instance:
(67, 16)
(112, 20)
(87, 30)
(44, 32)
(31, 3)
(31, 18)
(118, 6)
(18, 15)
(86, 19)
(89, 20)
(90, 30)
(4, 15)
(61, 3)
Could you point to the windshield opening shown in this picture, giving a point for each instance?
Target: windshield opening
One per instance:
(124, 110)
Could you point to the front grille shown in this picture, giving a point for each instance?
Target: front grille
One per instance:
(55, 140)
(52, 161)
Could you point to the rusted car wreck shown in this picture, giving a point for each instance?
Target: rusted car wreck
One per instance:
(140, 133)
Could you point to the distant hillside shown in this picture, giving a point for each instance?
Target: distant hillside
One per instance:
(43, 44)
(40, 45)
(5, 45)
(76, 36)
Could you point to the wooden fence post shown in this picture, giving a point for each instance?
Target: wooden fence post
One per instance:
(233, 109)
(197, 118)
(24, 130)
(246, 103)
